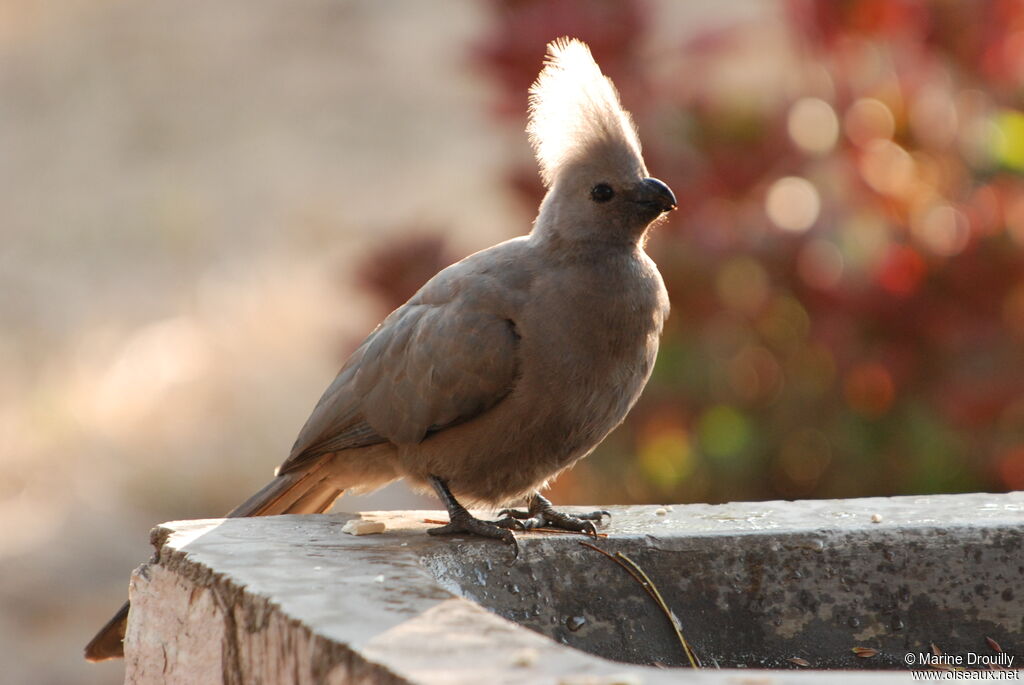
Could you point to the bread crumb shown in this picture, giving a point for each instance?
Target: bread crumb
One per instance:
(525, 657)
(362, 527)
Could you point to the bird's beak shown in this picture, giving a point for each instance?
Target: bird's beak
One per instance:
(655, 194)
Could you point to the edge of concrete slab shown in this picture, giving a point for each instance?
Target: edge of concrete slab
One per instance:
(293, 599)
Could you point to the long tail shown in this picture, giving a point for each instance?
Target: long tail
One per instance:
(298, 492)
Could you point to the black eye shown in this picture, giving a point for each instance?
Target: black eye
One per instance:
(602, 192)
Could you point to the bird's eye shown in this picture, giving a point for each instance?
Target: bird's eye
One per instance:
(602, 192)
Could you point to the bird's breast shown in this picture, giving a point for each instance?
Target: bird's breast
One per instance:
(589, 339)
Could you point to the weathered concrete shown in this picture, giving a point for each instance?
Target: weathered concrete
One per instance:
(291, 599)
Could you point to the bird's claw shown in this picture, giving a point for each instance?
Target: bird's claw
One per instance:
(474, 526)
(510, 522)
(543, 515)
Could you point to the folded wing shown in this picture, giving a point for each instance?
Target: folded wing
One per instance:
(425, 368)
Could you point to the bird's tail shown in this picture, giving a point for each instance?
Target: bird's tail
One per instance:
(305, 491)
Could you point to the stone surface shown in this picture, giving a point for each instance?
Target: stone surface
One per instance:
(290, 599)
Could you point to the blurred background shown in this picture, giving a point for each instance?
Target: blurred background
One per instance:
(205, 207)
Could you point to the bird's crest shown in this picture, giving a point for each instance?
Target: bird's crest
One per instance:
(575, 108)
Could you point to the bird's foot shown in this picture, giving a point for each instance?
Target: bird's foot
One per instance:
(461, 521)
(542, 514)
(464, 522)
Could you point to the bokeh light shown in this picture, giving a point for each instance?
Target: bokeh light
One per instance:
(869, 120)
(813, 125)
(724, 432)
(940, 228)
(666, 453)
(902, 271)
(793, 203)
(887, 167)
(1008, 139)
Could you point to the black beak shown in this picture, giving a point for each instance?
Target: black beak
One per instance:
(653, 192)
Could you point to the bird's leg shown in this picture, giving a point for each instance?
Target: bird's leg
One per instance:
(461, 521)
(542, 515)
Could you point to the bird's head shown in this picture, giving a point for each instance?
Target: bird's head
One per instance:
(589, 153)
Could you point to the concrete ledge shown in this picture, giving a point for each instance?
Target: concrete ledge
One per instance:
(291, 599)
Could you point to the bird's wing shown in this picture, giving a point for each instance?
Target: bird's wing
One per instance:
(336, 422)
(427, 367)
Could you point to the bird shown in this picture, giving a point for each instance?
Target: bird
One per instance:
(512, 364)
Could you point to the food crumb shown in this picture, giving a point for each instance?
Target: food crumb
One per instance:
(361, 527)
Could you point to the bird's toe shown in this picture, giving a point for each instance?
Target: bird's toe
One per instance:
(515, 513)
(471, 525)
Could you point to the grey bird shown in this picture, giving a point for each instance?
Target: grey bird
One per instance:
(512, 364)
